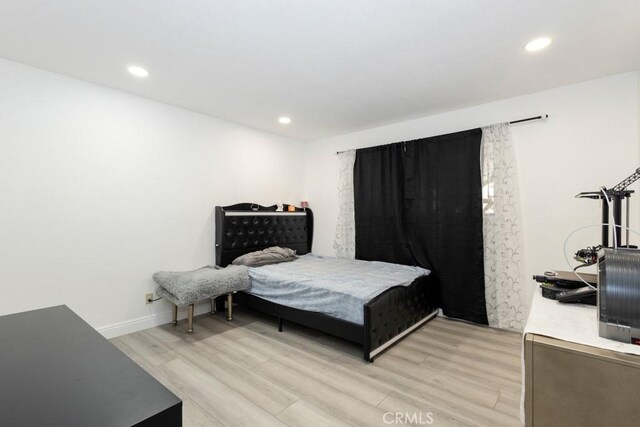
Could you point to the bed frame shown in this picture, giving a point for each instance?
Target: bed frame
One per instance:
(388, 318)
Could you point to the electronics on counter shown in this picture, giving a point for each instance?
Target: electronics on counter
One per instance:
(613, 198)
(616, 288)
(566, 287)
(566, 279)
(585, 295)
(619, 295)
(587, 256)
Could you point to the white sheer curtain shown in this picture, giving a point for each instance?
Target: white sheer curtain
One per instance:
(344, 242)
(502, 230)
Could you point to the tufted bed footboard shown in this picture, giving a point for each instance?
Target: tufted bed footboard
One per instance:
(397, 312)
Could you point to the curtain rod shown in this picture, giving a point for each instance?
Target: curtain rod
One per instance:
(528, 119)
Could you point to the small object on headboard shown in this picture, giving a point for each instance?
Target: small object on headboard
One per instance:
(304, 204)
(291, 208)
(280, 207)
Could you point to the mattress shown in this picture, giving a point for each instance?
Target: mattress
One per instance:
(333, 286)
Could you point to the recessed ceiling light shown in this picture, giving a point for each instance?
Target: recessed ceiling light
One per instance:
(538, 44)
(137, 71)
(284, 120)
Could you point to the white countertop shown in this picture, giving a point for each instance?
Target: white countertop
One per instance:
(576, 323)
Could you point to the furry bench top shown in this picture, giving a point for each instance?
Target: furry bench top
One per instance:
(189, 287)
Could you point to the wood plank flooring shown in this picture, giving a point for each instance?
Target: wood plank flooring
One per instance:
(246, 373)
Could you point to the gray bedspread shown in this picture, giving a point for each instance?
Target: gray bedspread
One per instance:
(333, 286)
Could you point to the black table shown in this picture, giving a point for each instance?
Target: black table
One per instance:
(56, 370)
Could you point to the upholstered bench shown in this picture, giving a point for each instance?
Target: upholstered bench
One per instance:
(185, 288)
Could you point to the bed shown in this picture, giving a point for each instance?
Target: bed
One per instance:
(345, 298)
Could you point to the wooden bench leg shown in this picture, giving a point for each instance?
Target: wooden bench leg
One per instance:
(190, 319)
(213, 306)
(174, 309)
(229, 306)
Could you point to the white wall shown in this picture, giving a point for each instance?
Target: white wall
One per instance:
(99, 189)
(590, 140)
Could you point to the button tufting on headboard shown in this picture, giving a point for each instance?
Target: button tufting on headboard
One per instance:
(240, 230)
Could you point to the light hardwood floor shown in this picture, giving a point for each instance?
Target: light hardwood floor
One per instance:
(246, 373)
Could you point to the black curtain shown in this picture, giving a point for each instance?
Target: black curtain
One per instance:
(420, 203)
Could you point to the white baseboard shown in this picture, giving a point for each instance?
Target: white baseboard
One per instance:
(146, 322)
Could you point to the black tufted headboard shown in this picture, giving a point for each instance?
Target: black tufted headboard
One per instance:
(247, 227)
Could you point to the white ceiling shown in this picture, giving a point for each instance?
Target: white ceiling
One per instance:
(334, 66)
